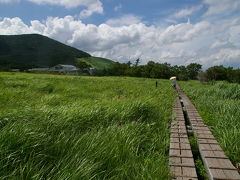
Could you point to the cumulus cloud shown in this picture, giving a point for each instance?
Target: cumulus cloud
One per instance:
(9, 1)
(186, 12)
(11, 26)
(221, 44)
(184, 32)
(92, 6)
(70, 3)
(118, 7)
(203, 42)
(127, 19)
(224, 56)
(216, 7)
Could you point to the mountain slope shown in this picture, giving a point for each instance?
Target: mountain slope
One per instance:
(97, 62)
(33, 50)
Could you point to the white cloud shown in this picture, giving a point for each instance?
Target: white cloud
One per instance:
(203, 42)
(11, 26)
(225, 56)
(217, 7)
(69, 3)
(127, 19)
(184, 32)
(9, 1)
(118, 7)
(220, 44)
(186, 12)
(92, 6)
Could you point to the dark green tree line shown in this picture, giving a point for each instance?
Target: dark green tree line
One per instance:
(192, 71)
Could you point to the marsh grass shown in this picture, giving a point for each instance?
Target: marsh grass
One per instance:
(66, 127)
(219, 106)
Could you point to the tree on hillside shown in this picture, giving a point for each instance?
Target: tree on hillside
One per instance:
(118, 69)
(216, 73)
(180, 72)
(129, 63)
(193, 69)
(135, 71)
(137, 62)
(183, 73)
(83, 66)
(202, 76)
(147, 69)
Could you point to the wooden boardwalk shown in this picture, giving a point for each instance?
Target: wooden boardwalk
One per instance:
(180, 155)
(218, 166)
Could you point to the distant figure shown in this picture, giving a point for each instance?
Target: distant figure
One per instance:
(174, 81)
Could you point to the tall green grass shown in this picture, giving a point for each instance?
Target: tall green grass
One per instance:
(219, 105)
(66, 127)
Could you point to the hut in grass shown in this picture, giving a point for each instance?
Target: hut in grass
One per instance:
(64, 69)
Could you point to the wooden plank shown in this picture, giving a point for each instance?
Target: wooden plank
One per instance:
(182, 131)
(198, 125)
(205, 136)
(181, 162)
(180, 135)
(209, 147)
(176, 171)
(179, 129)
(180, 119)
(184, 140)
(174, 145)
(216, 174)
(180, 123)
(188, 162)
(187, 178)
(174, 130)
(186, 153)
(207, 141)
(174, 140)
(213, 154)
(189, 172)
(178, 145)
(205, 147)
(219, 174)
(214, 163)
(174, 153)
(185, 146)
(203, 132)
(201, 128)
(230, 174)
(215, 147)
(174, 161)
(180, 153)
(186, 172)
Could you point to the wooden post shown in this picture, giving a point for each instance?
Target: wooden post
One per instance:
(156, 84)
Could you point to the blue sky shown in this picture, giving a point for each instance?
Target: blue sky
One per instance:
(150, 11)
(174, 31)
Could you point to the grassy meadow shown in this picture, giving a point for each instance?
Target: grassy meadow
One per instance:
(97, 62)
(71, 127)
(219, 106)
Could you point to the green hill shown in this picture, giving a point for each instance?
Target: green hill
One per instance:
(33, 50)
(97, 62)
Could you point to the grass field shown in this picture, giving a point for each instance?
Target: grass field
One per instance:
(219, 105)
(97, 62)
(71, 127)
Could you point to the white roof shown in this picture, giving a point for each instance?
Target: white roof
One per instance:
(67, 66)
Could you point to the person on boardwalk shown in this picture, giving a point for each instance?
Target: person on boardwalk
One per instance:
(174, 81)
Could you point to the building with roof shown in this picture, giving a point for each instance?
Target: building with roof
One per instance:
(64, 69)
